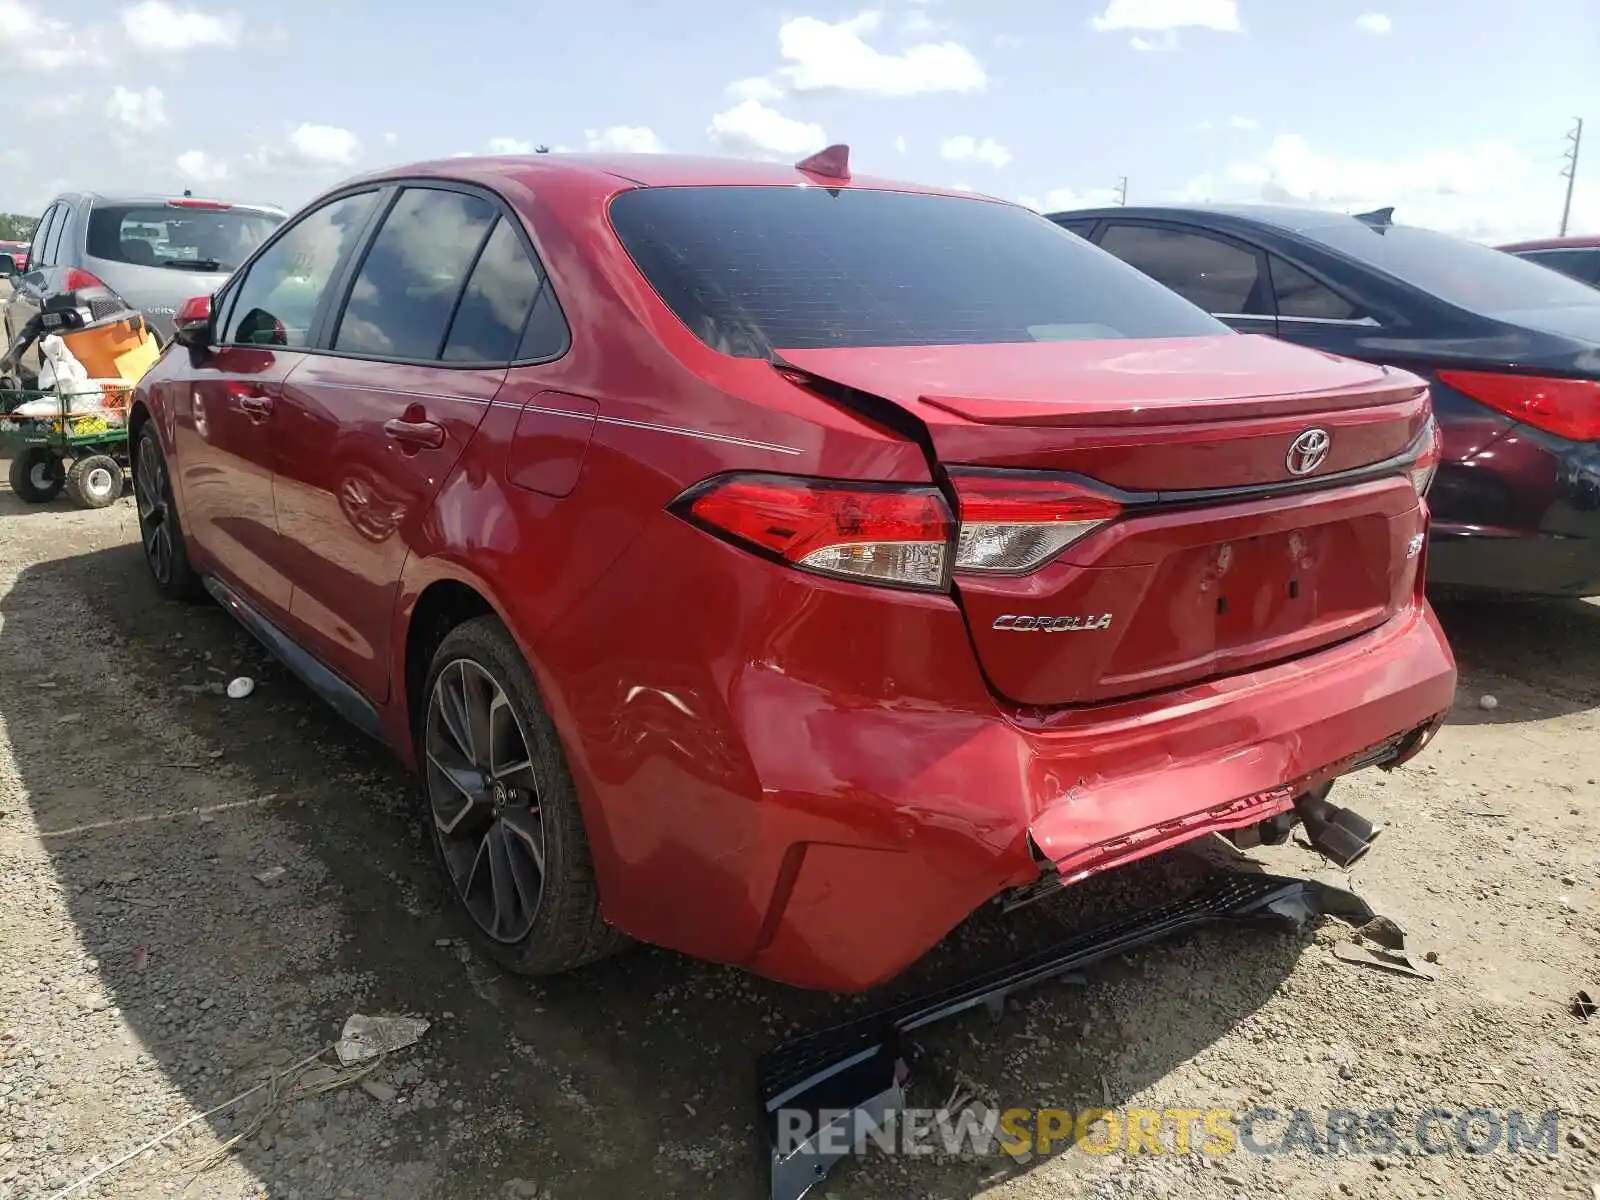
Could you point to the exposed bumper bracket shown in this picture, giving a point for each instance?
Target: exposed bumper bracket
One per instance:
(822, 1093)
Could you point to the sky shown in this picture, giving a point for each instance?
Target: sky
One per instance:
(1455, 111)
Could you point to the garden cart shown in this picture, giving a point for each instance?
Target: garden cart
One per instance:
(72, 442)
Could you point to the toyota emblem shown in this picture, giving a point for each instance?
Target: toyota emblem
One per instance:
(1307, 451)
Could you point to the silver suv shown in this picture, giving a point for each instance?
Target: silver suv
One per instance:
(154, 252)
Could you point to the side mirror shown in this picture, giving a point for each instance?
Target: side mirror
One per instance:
(192, 324)
(8, 266)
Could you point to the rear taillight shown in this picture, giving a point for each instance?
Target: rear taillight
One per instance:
(1013, 524)
(76, 280)
(1426, 465)
(875, 533)
(1569, 408)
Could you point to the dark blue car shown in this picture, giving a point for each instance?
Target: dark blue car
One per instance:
(1512, 351)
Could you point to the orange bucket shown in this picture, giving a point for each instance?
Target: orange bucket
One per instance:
(118, 350)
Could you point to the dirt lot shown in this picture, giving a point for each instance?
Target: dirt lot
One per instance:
(146, 975)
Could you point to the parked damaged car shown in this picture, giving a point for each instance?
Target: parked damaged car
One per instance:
(777, 565)
(1510, 351)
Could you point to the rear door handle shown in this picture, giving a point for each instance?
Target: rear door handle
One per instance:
(426, 434)
(258, 407)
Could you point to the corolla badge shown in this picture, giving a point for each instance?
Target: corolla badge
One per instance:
(1307, 452)
(1015, 623)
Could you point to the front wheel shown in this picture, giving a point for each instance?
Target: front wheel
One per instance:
(165, 551)
(95, 481)
(503, 810)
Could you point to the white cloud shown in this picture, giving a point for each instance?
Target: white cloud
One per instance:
(964, 148)
(821, 58)
(757, 87)
(141, 111)
(1244, 123)
(390, 139)
(1491, 191)
(200, 167)
(51, 105)
(751, 128)
(623, 139)
(324, 145)
(32, 41)
(1167, 41)
(1156, 15)
(1064, 198)
(508, 145)
(1374, 23)
(900, 144)
(159, 27)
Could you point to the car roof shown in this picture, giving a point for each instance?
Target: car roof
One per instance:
(642, 170)
(1567, 243)
(159, 198)
(1286, 217)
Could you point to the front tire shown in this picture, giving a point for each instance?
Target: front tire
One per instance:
(37, 476)
(95, 481)
(165, 551)
(502, 808)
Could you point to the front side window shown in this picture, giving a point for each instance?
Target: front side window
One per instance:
(752, 269)
(1218, 276)
(406, 290)
(276, 302)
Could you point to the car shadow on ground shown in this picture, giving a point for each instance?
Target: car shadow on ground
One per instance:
(635, 1076)
(1537, 658)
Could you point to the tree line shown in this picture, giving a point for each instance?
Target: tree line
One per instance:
(14, 227)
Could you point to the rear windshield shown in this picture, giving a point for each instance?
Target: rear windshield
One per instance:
(754, 269)
(1466, 274)
(179, 238)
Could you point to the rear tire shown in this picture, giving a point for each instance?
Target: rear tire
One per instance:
(502, 810)
(160, 532)
(95, 481)
(37, 476)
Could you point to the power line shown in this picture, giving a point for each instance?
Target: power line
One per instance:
(1575, 136)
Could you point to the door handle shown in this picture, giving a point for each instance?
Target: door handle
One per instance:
(258, 407)
(425, 434)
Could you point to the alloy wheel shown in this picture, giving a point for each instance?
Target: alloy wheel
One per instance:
(155, 526)
(484, 797)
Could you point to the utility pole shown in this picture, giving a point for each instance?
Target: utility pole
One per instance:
(1122, 191)
(1575, 136)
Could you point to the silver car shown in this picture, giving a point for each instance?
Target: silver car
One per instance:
(153, 251)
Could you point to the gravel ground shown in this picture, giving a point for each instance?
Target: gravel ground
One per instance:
(147, 973)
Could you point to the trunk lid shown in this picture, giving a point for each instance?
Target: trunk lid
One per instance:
(1216, 557)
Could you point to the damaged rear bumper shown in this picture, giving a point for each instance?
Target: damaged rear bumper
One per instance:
(823, 1093)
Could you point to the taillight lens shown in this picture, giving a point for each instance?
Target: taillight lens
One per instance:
(77, 279)
(873, 533)
(1013, 524)
(1568, 408)
(1426, 465)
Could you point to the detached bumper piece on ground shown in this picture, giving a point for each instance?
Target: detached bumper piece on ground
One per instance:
(853, 1076)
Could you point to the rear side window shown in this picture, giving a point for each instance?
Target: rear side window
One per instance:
(494, 310)
(52, 245)
(179, 238)
(413, 273)
(1218, 276)
(41, 235)
(1466, 274)
(276, 302)
(756, 269)
(1299, 295)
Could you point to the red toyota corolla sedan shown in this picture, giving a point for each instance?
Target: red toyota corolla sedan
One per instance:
(778, 566)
